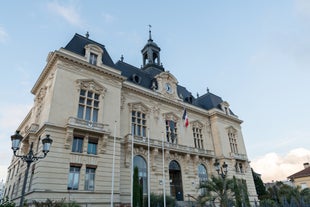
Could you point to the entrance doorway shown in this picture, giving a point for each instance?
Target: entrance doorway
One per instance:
(175, 177)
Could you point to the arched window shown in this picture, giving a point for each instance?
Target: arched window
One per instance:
(203, 177)
(139, 162)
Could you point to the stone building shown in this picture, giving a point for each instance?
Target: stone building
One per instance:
(104, 116)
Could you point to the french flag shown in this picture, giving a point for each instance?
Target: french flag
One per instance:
(185, 118)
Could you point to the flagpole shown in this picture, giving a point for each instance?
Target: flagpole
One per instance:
(131, 180)
(148, 170)
(113, 166)
(164, 180)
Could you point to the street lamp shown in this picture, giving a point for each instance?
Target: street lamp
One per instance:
(30, 157)
(221, 170)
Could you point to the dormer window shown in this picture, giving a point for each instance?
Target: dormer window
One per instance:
(93, 54)
(93, 58)
(225, 107)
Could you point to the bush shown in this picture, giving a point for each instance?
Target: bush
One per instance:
(51, 203)
(5, 202)
(158, 201)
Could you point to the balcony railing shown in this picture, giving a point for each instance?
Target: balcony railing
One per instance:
(238, 156)
(81, 123)
(173, 147)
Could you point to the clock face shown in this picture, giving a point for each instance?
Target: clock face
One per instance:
(168, 88)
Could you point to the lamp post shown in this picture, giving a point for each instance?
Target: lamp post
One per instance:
(30, 157)
(221, 170)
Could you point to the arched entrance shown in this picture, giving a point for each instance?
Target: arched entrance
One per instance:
(139, 162)
(175, 177)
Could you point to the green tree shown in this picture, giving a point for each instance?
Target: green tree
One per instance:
(52, 203)
(5, 202)
(259, 186)
(137, 189)
(158, 201)
(236, 189)
(218, 190)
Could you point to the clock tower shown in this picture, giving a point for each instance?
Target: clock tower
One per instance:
(151, 57)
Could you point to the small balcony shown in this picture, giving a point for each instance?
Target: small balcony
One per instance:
(238, 156)
(87, 125)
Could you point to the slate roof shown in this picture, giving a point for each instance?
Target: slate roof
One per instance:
(303, 173)
(77, 44)
(145, 76)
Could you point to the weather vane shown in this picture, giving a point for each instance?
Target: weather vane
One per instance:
(150, 36)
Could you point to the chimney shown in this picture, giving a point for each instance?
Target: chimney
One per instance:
(306, 165)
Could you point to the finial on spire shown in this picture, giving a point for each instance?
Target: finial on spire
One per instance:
(208, 90)
(122, 58)
(87, 35)
(150, 32)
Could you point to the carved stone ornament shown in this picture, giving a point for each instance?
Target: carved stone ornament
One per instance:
(139, 106)
(197, 124)
(91, 85)
(171, 116)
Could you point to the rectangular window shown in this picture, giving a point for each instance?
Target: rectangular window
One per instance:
(233, 142)
(198, 141)
(92, 146)
(171, 131)
(74, 177)
(93, 58)
(90, 178)
(88, 106)
(77, 144)
(138, 120)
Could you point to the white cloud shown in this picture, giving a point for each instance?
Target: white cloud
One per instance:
(3, 35)
(69, 13)
(274, 167)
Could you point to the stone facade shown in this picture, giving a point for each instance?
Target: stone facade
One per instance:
(88, 105)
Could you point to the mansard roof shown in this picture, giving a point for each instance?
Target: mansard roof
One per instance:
(135, 74)
(77, 45)
(144, 78)
(209, 101)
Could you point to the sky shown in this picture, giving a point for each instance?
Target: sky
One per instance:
(253, 54)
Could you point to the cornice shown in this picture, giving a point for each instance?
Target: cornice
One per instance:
(58, 55)
(177, 103)
(217, 113)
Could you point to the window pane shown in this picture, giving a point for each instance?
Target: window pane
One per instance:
(82, 100)
(88, 113)
(95, 115)
(144, 132)
(89, 102)
(89, 94)
(92, 148)
(90, 179)
(74, 177)
(139, 130)
(77, 145)
(80, 112)
(82, 92)
(96, 96)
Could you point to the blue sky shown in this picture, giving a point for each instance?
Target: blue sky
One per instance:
(254, 54)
